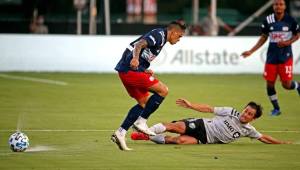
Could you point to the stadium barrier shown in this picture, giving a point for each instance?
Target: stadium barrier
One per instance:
(70, 53)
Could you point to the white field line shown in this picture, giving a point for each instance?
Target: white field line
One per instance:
(107, 130)
(47, 81)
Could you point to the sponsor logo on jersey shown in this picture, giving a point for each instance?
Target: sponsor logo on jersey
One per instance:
(285, 28)
(278, 36)
(235, 134)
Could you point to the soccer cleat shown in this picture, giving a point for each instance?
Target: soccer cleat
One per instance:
(139, 136)
(142, 127)
(275, 112)
(120, 141)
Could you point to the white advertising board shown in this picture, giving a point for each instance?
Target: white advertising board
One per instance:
(101, 54)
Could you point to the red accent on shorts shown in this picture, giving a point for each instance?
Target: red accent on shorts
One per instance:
(285, 71)
(137, 83)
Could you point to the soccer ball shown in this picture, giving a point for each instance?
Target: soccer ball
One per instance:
(18, 142)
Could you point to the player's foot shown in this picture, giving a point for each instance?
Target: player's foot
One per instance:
(142, 127)
(275, 112)
(120, 141)
(139, 136)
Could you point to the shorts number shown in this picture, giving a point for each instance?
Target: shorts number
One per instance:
(288, 70)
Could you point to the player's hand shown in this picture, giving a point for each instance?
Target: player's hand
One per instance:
(183, 103)
(134, 63)
(283, 44)
(149, 71)
(246, 54)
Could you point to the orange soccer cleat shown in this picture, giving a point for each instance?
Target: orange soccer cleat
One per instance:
(139, 136)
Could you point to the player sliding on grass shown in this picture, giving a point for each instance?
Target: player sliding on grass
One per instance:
(227, 126)
(138, 80)
(283, 30)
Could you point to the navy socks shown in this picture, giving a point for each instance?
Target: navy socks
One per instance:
(273, 97)
(132, 116)
(153, 103)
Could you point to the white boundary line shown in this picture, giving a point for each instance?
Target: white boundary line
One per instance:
(107, 130)
(47, 81)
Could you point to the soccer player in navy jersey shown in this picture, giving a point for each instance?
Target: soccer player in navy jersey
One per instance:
(139, 80)
(283, 30)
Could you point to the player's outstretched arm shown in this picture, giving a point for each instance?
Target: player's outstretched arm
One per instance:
(138, 46)
(270, 140)
(263, 38)
(195, 106)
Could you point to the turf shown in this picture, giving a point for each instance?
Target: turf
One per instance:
(99, 102)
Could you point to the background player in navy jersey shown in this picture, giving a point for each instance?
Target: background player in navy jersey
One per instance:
(283, 30)
(138, 80)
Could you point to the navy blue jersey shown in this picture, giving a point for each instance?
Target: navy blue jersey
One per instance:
(156, 39)
(279, 31)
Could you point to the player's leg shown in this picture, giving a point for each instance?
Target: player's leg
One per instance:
(131, 117)
(174, 127)
(182, 139)
(119, 136)
(129, 81)
(160, 91)
(286, 76)
(270, 75)
(159, 128)
(291, 85)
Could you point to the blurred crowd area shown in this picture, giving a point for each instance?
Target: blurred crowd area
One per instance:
(129, 17)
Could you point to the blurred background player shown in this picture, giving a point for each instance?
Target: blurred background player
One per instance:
(138, 80)
(283, 30)
(227, 126)
(211, 28)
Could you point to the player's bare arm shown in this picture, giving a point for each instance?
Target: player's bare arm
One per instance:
(195, 106)
(263, 38)
(134, 63)
(270, 140)
(288, 42)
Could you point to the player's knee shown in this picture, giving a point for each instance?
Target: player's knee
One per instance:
(286, 85)
(180, 140)
(164, 92)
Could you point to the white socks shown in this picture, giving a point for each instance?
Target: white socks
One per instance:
(159, 139)
(122, 131)
(158, 128)
(141, 120)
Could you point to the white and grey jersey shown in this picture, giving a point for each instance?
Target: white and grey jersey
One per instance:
(226, 127)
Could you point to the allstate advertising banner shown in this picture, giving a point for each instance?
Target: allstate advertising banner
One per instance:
(101, 54)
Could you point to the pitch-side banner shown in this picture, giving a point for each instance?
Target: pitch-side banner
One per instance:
(101, 54)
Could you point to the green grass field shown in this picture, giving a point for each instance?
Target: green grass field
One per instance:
(79, 118)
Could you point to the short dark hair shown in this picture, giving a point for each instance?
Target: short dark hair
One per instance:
(178, 23)
(257, 107)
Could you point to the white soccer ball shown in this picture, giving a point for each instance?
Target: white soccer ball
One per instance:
(18, 142)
